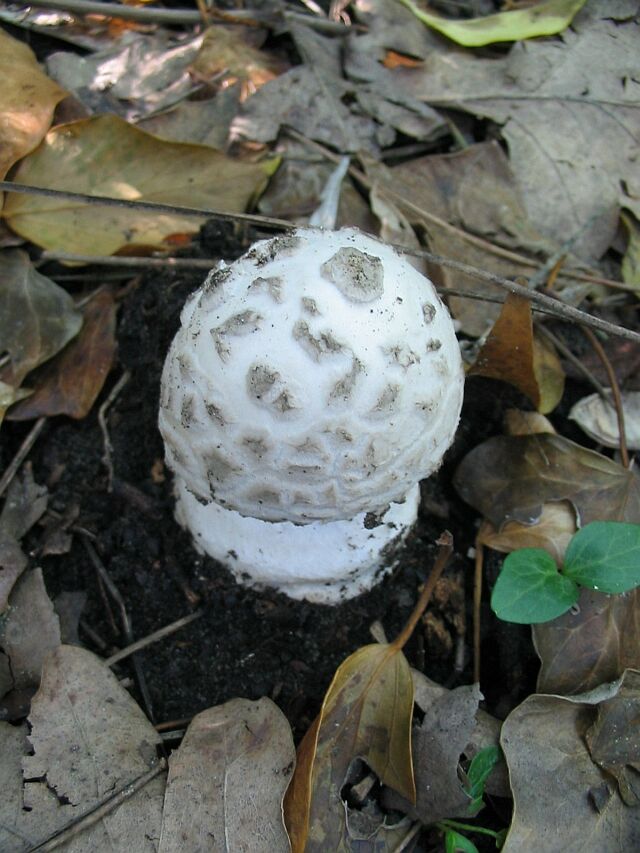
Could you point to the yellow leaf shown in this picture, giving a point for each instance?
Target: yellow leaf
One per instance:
(549, 375)
(10, 395)
(631, 260)
(27, 101)
(106, 156)
(544, 19)
(366, 714)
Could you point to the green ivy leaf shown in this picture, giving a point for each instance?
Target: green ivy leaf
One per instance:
(605, 555)
(530, 588)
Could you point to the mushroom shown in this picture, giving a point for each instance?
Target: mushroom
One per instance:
(312, 384)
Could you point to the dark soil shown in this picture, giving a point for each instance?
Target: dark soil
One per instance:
(247, 643)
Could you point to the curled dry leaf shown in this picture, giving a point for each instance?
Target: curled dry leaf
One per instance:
(513, 354)
(552, 531)
(227, 781)
(37, 318)
(9, 396)
(563, 801)
(27, 101)
(511, 477)
(70, 383)
(599, 420)
(590, 645)
(30, 630)
(367, 714)
(106, 156)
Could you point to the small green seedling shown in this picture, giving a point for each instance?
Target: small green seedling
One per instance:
(476, 776)
(604, 555)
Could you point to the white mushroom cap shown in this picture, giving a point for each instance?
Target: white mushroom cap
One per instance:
(315, 379)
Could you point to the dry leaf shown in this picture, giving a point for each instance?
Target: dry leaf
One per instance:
(225, 50)
(512, 354)
(24, 504)
(563, 802)
(590, 645)
(511, 477)
(204, 122)
(9, 396)
(13, 744)
(70, 383)
(553, 532)
(517, 422)
(27, 101)
(227, 780)
(599, 419)
(366, 714)
(106, 156)
(631, 260)
(37, 318)
(89, 739)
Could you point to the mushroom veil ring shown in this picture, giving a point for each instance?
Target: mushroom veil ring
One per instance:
(313, 383)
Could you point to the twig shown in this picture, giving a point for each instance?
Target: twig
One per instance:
(125, 261)
(114, 592)
(21, 455)
(411, 834)
(102, 420)
(160, 634)
(557, 308)
(446, 548)
(477, 603)
(615, 390)
(78, 825)
(152, 206)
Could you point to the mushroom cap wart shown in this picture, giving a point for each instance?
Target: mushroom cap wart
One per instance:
(316, 378)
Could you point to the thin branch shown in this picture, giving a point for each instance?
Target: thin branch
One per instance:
(107, 455)
(446, 549)
(126, 261)
(160, 634)
(21, 455)
(151, 206)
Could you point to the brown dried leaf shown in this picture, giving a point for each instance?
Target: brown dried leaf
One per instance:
(614, 738)
(106, 156)
(366, 714)
(27, 101)
(592, 645)
(512, 354)
(24, 505)
(553, 531)
(70, 383)
(563, 802)
(37, 318)
(227, 780)
(511, 477)
(227, 49)
(598, 418)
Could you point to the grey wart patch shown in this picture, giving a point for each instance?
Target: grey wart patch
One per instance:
(237, 326)
(343, 389)
(316, 346)
(271, 285)
(428, 312)
(282, 246)
(358, 276)
(218, 469)
(310, 306)
(267, 388)
(387, 401)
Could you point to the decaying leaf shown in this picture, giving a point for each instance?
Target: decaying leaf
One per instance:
(590, 645)
(10, 395)
(30, 630)
(614, 737)
(27, 101)
(37, 318)
(552, 531)
(225, 50)
(563, 801)
(70, 383)
(544, 19)
(24, 504)
(567, 108)
(513, 354)
(106, 156)
(89, 739)
(227, 781)
(510, 478)
(139, 74)
(366, 713)
(518, 422)
(599, 420)
(13, 744)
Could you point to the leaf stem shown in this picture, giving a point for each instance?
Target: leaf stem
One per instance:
(466, 827)
(446, 547)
